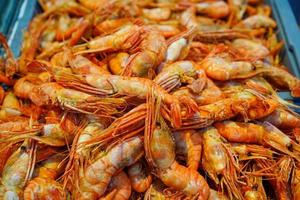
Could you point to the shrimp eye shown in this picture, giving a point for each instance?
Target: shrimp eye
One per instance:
(289, 147)
(23, 148)
(39, 134)
(255, 187)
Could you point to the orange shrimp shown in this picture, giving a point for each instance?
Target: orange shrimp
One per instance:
(160, 154)
(177, 73)
(118, 63)
(257, 21)
(189, 144)
(94, 180)
(149, 54)
(243, 103)
(157, 14)
(283, 118)
(44, 185)
(17, 171)
(53, 93)
(120, 186)
(217, 160)
(140, 181)
(124, 38)
(210, 94)
(264, 134)
(214, 9)
(129, 86)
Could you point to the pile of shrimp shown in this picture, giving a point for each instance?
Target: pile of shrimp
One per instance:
(148, 99)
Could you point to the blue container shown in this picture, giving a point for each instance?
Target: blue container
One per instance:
(15, 16)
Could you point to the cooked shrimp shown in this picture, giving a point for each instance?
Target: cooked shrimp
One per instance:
(217, 9)
(150, 53)
(251, 48)
(96, 177)
(53, 93)
(177, 73)
(157, 14)
(129, 86)
(17, 171)
(160, 152)
(217, 161)
(257, 21)
(44, 185)
(264, 134)
(122, 39)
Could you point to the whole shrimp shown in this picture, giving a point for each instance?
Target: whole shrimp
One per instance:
(44, 185)
(177, 73)
(95, 178)
(157, 14)
(189, 144)
(118, 188)
(124, 38)
(218, 162)
(257, 21)
(243, 103)
(264, 134)
(162, 159)
(179, 45)
(17, 171)
(250, 48)
(214, 9)
(139, 178)
(53, 93)
(210, 93)
(283, 118)
(147, 56)
(129, 86)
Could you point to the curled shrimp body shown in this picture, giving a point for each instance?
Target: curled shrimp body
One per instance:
(157, 14)
(281, 77)
(189, 144)
(284, 119)
(44, 185)
(122, 39)
(210, 94)
(219, 68)
(96, 177)
(216, 161)
(257, 21)
(217, 9)
(162, 157)
(139, 178)
(53, 93)
(173, 75)
(250, 48)
(149, 54)
(251, 133)
(119, 187)
(17, 170)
